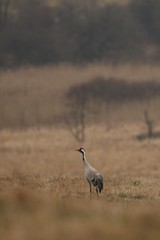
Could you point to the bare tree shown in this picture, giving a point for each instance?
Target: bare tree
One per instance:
(76, 115)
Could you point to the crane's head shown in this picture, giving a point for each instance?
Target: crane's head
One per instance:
(81, 150)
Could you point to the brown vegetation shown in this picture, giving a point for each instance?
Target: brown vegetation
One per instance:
(36, 96)
(43, 193)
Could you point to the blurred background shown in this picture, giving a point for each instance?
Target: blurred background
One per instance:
(55, 31)
(78, 62)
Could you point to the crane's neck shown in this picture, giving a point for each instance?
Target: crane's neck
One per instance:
(85, 162)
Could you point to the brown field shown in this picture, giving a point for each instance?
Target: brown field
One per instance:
(43, 193)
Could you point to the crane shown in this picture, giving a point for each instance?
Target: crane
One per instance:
(92, 175)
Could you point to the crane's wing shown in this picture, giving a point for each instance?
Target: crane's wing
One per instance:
(98, 182)
(95, 178)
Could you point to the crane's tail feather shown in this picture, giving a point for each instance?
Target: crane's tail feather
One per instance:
(98, 183)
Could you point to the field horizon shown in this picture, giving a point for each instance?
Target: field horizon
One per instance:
(36, 97)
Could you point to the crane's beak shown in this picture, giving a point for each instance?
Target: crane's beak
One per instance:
(77, 150)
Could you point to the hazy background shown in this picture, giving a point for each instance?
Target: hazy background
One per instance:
(42, 32)
(62, 62)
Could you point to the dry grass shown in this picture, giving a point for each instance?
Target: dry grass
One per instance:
(43, 194)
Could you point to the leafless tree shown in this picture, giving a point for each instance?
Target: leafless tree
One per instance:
(76, 113)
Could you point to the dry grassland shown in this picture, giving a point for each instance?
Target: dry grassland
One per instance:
(43, 193)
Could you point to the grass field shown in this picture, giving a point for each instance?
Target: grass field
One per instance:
(43, 193)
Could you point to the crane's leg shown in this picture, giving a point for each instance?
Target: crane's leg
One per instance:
(90, 188)
(97, 192)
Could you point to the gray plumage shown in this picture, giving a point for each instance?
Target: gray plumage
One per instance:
(92, 175)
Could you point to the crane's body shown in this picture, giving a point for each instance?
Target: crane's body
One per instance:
(92, 175)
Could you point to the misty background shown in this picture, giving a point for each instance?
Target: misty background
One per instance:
(41, 32)
(76, 63)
